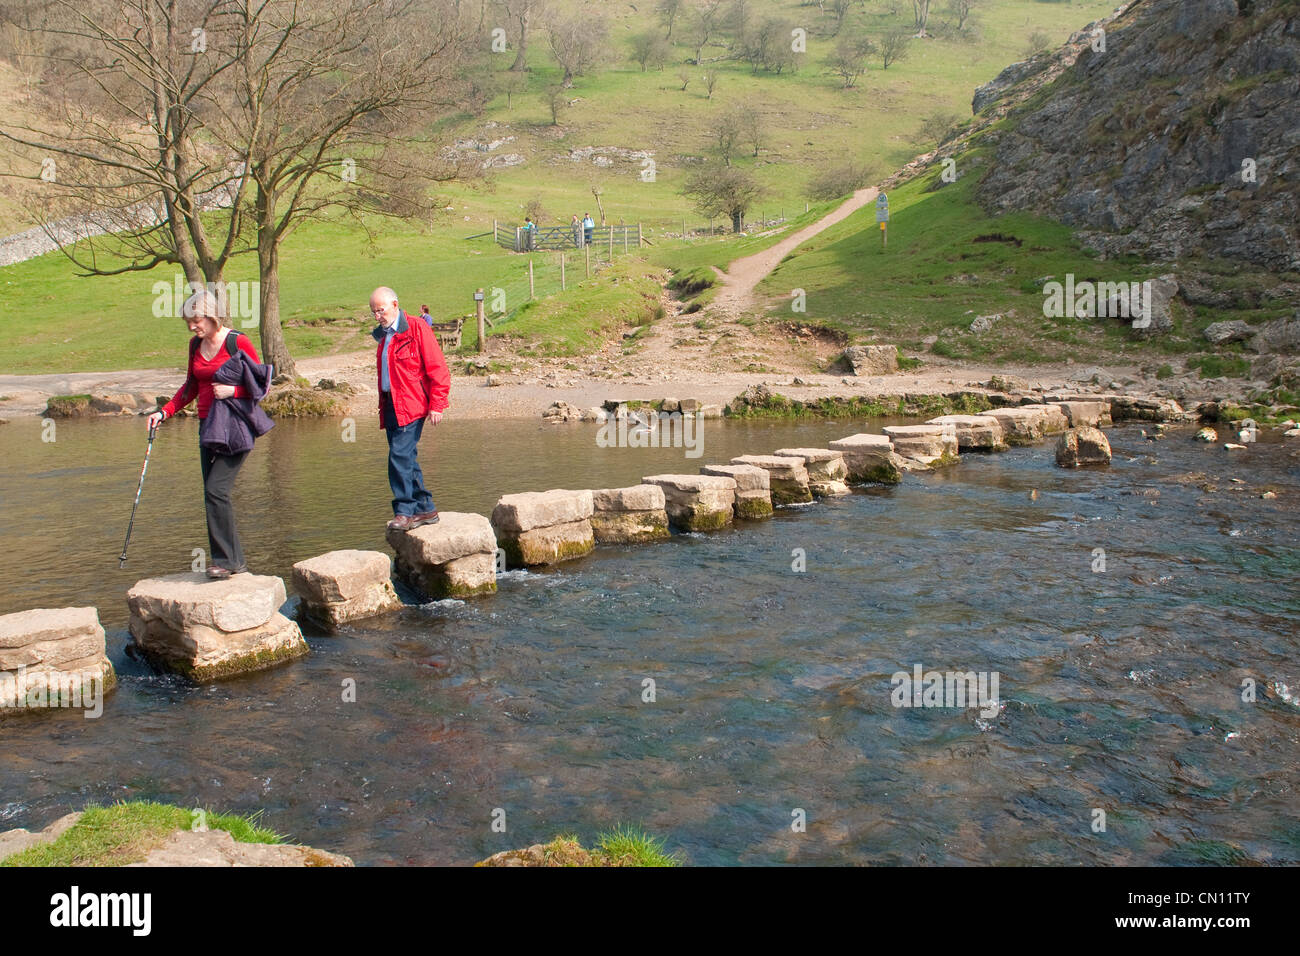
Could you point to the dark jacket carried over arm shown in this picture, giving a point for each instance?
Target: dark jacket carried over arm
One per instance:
(233, 423)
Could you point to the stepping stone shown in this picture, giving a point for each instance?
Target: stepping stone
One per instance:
(210, 630)
(826, 469)
(544, 527)
(870, 458)
(1021, 424)
(53, 657)
(1093, 414)
(342, 586)
(455, 558)
(1082, 446)
(629, 515)
(1055, 419)
(788, 477)
(697, 502)
(753, 488)
(974, 432)
(929, 445)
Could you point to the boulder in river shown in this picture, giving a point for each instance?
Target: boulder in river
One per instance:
(928, 445)
(753, 488)
(788, 477)
(342, 586)
(870, 458)
(1055, 418)
(826, 469)
(209, 630)
(635, 514)
(52, 657)
(697, 502)
(1079, 412)
(974, 432)
(544, 527)
(454, 558)
(1021, 424)
(1082, 446)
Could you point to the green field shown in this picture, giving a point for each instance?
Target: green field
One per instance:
(328, 268)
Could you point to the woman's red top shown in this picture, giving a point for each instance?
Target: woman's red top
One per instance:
(198, 383)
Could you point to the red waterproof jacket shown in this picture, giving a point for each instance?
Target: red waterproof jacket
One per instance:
(417, 371)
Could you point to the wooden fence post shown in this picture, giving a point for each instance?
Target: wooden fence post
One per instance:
(562, 285)
(586, 251)
(478, 314)
(639, 240)
(530, 277)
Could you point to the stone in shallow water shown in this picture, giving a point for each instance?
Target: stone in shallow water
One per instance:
(1082, 446)
(1021, 424)
(697, 502)
(51, 657)
(974, 432)
(1079, 412)
(1055, 418)
(454, 558)
(753, 488)
(541, 509)
(629, 515)
(208, 630)
(342, 586)
(825, 467)
(870, 458)
(788, 477)
(548, 545)
(929, 445)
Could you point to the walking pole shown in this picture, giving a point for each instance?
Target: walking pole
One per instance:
(121, 562)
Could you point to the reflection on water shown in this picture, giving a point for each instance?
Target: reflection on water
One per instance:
(772, 687)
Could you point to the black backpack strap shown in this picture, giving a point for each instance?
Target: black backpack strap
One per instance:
(232, 342)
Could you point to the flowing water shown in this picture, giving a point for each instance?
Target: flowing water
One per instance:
(1121, 689)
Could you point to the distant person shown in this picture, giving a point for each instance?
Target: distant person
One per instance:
(212, 346)
(530, 233)
(414, 384)
(576, 226)
(424, 314)
(588, 227)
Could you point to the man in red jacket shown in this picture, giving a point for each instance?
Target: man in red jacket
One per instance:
(414, 383)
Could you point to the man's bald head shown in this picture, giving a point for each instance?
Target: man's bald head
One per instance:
(383, 305)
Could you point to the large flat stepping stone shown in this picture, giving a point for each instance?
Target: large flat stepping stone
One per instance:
(826, 469)
(870, 458)
(342, 586)
(455, 558)
(52, 657)
(753, 488)
(1055, 419)
(1082, 446)
(1081, 412)
(697, 502)
(930, 445)
(1021, 424)
(631, 515)
(537, 528)
(788, 477)
(211, 630)
(974, 432)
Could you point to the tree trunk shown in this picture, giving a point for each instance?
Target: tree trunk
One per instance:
(737, 220)
(274, 351)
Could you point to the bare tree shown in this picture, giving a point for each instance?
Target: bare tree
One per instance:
(650, 49)
(840, 10)
(685, 76)
(921, 15)
(578, 44)
(849, 58)
(710, 79)
(740, 20)
(668, 11)
(557, 98)
(522, 15)
(720, 190)
(961, 9)
(727, 133)
(894, 47)
(706, 24)
(751, 126)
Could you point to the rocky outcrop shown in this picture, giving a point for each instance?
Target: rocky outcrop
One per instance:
(1221, 333)
(697, 502)
(869, 458)
(753, 488)
(632, 515)
(52, 658)
(343, 586)
(1078, 412)
(1082, 446)
(826, 470)
(455, 558)
(15, 841)
(209, 630)
(544, 527)
(1176, 140)
(186, 848)
(1279, 335)
(787, 476)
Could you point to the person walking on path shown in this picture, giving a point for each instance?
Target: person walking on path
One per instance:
(414, 385)
(212, 346)
(588, 227)
(577, 232)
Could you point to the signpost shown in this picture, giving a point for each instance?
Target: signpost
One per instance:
(882, 217)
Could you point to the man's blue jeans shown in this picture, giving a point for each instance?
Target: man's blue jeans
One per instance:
(404, 475)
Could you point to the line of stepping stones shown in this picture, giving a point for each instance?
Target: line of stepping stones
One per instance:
(210, 630)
